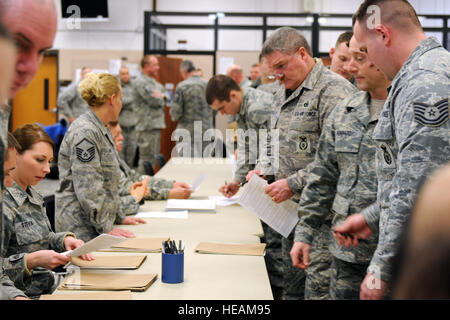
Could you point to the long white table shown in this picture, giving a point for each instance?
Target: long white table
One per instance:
(206, 276)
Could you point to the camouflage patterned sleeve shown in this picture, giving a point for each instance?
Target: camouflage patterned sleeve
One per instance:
(143, 91)
(176, 110)
(56, 240)
(88, 182)
(258, 117)
(422, 129)
(65, 99)
(8, 290)
(372, 216)
(318, 194)
(159, 189)
(128, 206)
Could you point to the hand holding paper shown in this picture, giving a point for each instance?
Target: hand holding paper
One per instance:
(103, 241)
(198, 182)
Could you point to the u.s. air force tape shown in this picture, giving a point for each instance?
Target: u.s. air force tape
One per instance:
(431, 115)
(85, 150)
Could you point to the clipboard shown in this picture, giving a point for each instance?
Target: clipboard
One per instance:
(231, 248)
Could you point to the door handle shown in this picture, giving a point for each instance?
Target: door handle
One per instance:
(46, 81)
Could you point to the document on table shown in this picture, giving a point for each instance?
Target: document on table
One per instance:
(191, 205)
(198, 182)
(103, 241)
(224, 201)
(163, 214)
(282, 217)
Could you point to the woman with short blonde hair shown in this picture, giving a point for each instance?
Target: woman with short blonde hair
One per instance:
(87, 200)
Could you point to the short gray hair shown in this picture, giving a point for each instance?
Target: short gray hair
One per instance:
(187, 65)
(287, 40)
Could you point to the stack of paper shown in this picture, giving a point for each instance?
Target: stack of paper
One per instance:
(165, 214)
(111, 262)
(206, 206)
(83, 280)
(139, 245)
(282, 217)
(228, 248)
(113, 295)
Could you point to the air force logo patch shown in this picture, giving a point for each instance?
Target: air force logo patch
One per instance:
(85, 150)
(431, 115)
(303, 144)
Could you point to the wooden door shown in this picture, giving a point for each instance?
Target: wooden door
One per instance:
(37, 102)
(169, 72)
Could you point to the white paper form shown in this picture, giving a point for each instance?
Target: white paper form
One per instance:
(198, 182)
(163, 214)
(191, 205)
(103, 241)
(224, 201)
(282, 217)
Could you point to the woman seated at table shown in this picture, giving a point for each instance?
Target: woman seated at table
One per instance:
(131, 182)
(87, 201)
(30, 247)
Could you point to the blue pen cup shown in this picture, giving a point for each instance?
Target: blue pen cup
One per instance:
(172, 267)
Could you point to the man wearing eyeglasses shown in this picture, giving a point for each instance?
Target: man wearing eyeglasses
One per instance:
(298, 113)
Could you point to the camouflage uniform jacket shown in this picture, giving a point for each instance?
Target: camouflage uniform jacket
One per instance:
(272, 87)
(70, 102)
(27, 229)
(190, 105)
(127, 117)
(7, 289)
(413, 139)
(299, 119)
(159, 190)
(342, 179)
(254, 115)
(148, 109)
(87, 201)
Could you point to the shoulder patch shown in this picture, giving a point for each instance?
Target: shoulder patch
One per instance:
(431, 115)
(85, 150)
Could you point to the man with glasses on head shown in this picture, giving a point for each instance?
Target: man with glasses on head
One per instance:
(298, 112)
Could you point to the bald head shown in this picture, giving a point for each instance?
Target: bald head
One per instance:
(236, 73)
(32, 24)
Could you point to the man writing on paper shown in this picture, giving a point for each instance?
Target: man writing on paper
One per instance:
(298, 113)
(342, 179)
(252, 109)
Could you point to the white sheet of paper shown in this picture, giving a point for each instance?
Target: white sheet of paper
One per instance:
(198, 182)
(223, 201)
(163, 214)
(103, 241)
(191, 205)
(282, 217)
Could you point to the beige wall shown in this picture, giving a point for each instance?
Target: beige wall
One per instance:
(70, 60)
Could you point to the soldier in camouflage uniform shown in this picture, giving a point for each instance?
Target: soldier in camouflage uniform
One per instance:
(36, 23)
(252, 109)
(149, 101)
(342, 179)
(299, 112)
(159, 189)
(27, 235)
(70, 103)
(87, 201)
(127, 118)
(236, 73)
(412, 134)
(190, 109)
